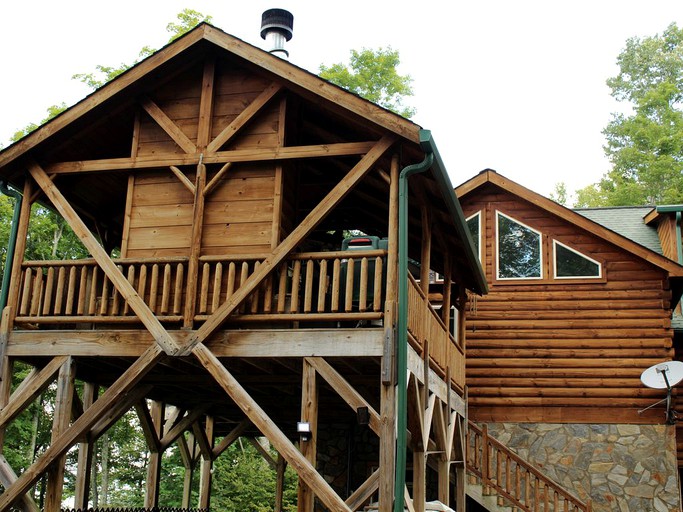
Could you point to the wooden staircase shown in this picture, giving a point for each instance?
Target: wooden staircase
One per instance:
(501, 481)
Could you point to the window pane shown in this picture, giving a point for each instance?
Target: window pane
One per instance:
(473, 225)
(519, 250)
(569, 263)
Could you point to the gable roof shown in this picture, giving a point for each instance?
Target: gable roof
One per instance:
(106, 114)
(490, 176)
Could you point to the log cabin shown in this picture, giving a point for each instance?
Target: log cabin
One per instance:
(212, 185)
(580, 303)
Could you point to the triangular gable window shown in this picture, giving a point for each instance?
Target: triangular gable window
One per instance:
(571, 264)
(474, 225)
(519, 249)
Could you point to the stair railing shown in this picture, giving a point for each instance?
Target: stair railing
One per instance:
(514, 480)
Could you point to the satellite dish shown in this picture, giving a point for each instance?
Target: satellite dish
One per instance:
(663, 375)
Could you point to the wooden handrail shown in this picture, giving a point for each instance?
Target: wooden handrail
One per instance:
(513, 478)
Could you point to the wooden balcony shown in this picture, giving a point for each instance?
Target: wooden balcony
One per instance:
(322, 290)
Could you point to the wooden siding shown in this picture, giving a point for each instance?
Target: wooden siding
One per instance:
(549, 350)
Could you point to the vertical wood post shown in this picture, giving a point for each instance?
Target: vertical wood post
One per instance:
(154, 465)
(188, 453)
(461, 460)
(62, 418)
(387, 450)
(485, 458)
(6, 367)
(86, 450)
(205, 473)
(419, 478)
(195, 247)
(309, 413)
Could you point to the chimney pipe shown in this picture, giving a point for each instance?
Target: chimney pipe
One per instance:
(276, 29)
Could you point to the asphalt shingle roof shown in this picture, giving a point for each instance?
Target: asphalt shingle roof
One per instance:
(628, 222)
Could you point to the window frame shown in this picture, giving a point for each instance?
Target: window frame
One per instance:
(541, 275)
(564, 278)
(479, 224)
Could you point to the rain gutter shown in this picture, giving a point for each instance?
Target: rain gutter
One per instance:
(9, 260)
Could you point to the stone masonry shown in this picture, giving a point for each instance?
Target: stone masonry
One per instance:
(623, 468)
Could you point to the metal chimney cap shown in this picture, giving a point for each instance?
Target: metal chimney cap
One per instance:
(277, 20)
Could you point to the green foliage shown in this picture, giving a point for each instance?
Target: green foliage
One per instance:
(646, 146)
(559, 194)
(373, 75)
(243, 481)
(52, 112)
(187, 20)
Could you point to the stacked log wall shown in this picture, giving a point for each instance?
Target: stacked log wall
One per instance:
(564, 351)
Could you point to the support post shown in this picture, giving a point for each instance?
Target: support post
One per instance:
(195, 247)
(309, 413)
(206, 466)
(62, 417)
(86, 450)
(279, 482)
(154, 465)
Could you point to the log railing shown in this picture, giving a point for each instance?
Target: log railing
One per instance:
(325, 286)
(503, 473)
(425, 325)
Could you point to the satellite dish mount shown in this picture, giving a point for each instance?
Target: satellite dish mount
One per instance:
(663, 376)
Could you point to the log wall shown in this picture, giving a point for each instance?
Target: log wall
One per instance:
(549, 350)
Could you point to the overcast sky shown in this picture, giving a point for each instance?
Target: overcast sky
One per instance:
(516, 86)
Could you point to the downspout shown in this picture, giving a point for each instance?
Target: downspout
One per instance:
(9, 260)
(402, 338)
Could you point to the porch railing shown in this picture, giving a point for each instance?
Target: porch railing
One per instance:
(427, 330)
(503, 473)
(304, 287)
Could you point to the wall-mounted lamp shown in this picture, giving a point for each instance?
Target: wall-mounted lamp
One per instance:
(304, 430)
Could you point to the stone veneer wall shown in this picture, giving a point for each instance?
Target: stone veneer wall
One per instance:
(624, 468)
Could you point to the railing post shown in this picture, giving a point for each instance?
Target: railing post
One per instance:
(485, 458)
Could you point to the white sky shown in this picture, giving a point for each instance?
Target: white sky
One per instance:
(517, 86)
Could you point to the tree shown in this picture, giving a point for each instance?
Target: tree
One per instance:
(373, 75)
(187, 20)
(645, 147)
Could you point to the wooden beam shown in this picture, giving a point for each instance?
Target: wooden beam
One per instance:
(117, 410)
(361, 495)
(252, 343)
(149, 430)
(8, 477)
(184, 424)
(122, 285)
(291, 242)
(207, 464)
(216, 179)
(183, 179)
(204, 443)
(195, 247)
(221, 157)
(206, 103)
(279, 482)
(234, 434)
(308, 447)
(154, 463)
(60, 446)
(244, 117)
(85, 454)
(352, 397)
(61, 420)
(33, 385)
(263, 452)
(167, 124)
(19, 250)
(261, 420)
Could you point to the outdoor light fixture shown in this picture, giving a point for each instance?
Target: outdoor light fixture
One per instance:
(304, 430)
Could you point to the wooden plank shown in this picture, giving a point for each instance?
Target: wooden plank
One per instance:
(184, 424)
(206, 103)
(169, 126)
(363, 494)
(113, 273)
(300, 232)
(243, 155)
(60, 445)
(352, 397)
(260, 419)
(244, 117)
(149, 430)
